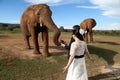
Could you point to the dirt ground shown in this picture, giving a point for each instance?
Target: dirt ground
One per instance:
(15, 44)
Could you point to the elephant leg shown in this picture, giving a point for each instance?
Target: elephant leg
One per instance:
(86, 37)
(35, 41)
(27, 42)
(26, 34)
(91, 36)
(45, 43)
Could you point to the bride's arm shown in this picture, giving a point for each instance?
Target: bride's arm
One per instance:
(72, 54)
(88, 53)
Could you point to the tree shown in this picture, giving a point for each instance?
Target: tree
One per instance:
(62, 28)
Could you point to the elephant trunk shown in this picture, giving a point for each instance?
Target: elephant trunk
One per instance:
(48, 22)
(56, 37)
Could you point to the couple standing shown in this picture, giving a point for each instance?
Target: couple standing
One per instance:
(77, 48)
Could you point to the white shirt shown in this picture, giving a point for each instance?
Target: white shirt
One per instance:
(81, 31)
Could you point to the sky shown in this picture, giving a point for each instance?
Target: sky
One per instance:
(67, 13)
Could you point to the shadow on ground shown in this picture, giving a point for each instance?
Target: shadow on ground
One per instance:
(106, 54)
(111, 43)
(58, 51)
(113, 75)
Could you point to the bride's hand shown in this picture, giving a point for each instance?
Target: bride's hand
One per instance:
(65, 69)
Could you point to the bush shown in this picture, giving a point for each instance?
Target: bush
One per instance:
(107, 32)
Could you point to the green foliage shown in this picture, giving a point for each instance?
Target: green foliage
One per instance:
(4, 25)
(3, 28)
(9, 29)
(61, 28)
(107, 32)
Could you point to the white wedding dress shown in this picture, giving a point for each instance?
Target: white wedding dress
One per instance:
(77, 69)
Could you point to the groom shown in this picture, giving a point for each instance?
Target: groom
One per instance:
(64, 45)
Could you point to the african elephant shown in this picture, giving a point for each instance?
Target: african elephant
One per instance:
(87, 26)
(35, 19)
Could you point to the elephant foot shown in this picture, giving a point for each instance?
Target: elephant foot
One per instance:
(28, 47)
(36, 52)
(46, 55)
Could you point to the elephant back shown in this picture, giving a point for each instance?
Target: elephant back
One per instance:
(88, 23)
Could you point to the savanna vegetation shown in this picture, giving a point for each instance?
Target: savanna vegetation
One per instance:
(16, 29)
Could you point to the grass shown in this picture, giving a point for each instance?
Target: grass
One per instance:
(105, 53)
(37, 69)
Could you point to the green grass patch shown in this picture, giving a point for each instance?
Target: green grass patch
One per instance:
(36, 69)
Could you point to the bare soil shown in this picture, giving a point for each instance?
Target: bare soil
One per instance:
(15, 45)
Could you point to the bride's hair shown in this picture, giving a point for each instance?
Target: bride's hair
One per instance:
(77, 34)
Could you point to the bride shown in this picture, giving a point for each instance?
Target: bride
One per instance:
(76, 64)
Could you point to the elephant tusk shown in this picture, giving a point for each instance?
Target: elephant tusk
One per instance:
(41, 22)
